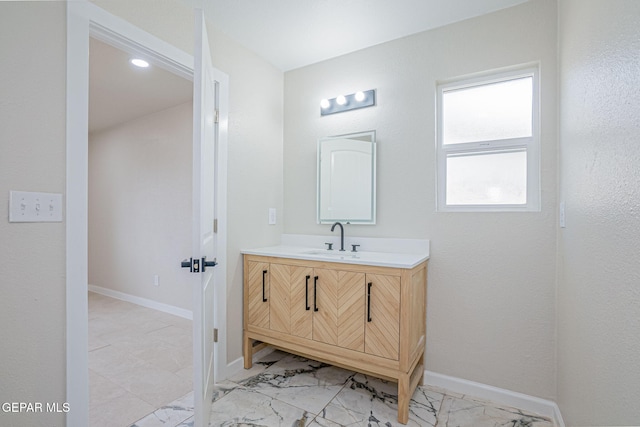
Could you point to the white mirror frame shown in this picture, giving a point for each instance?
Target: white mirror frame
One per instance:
(367, 214)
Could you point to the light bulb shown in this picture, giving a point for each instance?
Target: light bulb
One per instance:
(139, 62)
(359, 96)
(341, 100)
(324, 104)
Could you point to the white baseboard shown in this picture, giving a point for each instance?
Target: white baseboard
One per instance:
(233, 368)
(536, 405)
(166, 308)
(557, 416)
(262, 353)
(238, 364)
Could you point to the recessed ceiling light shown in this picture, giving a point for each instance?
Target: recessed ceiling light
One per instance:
(139, 62)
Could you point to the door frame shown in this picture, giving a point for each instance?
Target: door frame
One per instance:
(85, 20)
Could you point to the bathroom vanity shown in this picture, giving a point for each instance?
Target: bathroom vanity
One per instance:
(364, 311)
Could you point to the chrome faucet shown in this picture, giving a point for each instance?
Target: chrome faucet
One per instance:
(341, 234)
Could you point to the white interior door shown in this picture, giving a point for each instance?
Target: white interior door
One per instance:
(204, 239)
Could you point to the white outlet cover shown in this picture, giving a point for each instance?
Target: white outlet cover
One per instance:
(272, 216)
(29, 206)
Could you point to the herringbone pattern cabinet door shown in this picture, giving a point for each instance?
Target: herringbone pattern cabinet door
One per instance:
(280, 307)
(382, 334)
(258, 309)
(325, 320)
(301, 298)
(351, 310)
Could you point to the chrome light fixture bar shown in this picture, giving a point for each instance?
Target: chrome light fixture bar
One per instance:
(344, 103)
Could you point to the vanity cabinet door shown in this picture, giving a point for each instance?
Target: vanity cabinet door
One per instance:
(280, 300)
(351, 310)
(339, 319)
(382, 331)
(258, 298)
(301, 301)
(325, 306)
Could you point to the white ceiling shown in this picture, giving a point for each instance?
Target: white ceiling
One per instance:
(120, 91)
(293, 33)
(287, 33)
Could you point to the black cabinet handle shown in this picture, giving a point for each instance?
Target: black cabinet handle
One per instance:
(369, 301)
(306, 293)
(264, 275)
(315, 293)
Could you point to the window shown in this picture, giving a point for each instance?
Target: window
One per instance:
(488, 143)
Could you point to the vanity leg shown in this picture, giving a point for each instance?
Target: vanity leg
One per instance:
(407, 384)
(404, 397)
(247, 349)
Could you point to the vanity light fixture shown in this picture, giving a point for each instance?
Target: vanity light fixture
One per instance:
(139, 62)
(343, 103)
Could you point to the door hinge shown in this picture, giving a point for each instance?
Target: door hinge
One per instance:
(215, 225)
(215, 335)
(217, 117)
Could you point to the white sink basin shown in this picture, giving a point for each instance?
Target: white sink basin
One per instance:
(337, 254)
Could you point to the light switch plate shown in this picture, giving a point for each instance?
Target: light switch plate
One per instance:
(28, 206)
(272, 216)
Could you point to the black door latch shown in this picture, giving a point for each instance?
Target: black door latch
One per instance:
(193, 264)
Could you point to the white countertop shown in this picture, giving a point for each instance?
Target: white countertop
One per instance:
(401, 256)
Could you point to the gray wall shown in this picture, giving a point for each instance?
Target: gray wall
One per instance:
(599, 280)
(139, 185)
(491, 312)
(32, 158)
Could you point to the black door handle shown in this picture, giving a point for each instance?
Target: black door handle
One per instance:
(206, 263)
(315, 293)
(264, 274)
(192, 264)
(369, 301)
(306, 293)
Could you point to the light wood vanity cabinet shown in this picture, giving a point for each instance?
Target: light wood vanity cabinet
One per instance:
(366, 318)
(256, 294)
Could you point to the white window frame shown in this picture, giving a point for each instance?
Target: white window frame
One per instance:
(530, 144)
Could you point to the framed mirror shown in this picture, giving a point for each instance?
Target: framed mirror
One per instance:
(347, 178)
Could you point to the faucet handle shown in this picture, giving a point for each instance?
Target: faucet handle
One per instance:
(354, 248)
(329, 246)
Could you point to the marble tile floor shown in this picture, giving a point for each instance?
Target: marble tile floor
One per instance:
(139, 360)
(286, 390)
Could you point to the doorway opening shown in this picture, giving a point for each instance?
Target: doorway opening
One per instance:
(139, 225)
